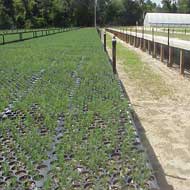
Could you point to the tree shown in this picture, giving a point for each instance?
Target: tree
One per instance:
(133, 12)
(174, 7)
(113, 12)
(167, 6)
(149, 6)
(102, 11)
(84, 12)
(5, 20)
(9, 10)
(184, 6)
(45, 13)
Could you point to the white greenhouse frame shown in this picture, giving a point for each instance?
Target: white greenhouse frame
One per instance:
(167, 20)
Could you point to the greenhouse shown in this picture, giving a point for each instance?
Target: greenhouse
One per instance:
(166, 19)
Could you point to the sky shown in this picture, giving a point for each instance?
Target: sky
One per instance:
(157, 1)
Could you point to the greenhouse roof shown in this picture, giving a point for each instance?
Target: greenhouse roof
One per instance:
(166, 19)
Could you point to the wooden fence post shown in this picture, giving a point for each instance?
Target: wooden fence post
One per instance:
(114, 54)
(3, 39)
(142, 39)
(149, 50)
(134, 41)
(20, 36)
(170, 61)
(181, 61)
(161, 53)
(144, 44)
(154, 50)
(104, 41)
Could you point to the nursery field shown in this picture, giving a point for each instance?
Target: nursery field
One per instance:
(64, 119)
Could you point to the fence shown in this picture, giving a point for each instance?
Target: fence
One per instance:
(11, 37)
(167, 50)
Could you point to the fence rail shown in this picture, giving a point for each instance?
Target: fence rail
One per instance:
(11, 37)
(167, 50)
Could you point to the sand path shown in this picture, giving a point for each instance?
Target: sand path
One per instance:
(165, 122)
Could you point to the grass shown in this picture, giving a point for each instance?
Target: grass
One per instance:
(139, 72)
(67, 118)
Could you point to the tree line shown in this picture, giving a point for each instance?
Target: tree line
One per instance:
(63, 13)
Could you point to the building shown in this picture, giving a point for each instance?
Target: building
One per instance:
(167, 19)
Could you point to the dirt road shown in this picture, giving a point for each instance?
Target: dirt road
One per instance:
(165, 121)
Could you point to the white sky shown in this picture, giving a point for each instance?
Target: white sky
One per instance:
(157, 1)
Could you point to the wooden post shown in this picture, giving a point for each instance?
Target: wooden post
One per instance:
(114, 54)
(127, 38)
(104, 41)
(181, 61)
(154, 50)
(137, 42)
(149, 50)
(134, 42)
(20, 36)
(161, 53)
(170, 61)
(143, 41)
(125, 35)
(136, 38)
(144, 44)
(3, 39)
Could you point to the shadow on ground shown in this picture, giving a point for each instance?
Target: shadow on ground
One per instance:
(156, 166)
(158, 170)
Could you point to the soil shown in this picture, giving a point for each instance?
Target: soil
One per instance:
(164, 122)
